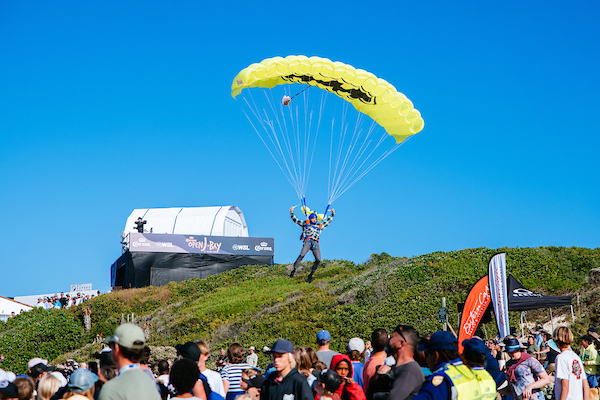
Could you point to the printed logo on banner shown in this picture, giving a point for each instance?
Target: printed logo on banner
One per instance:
(264, 246)
(207, 246)
(522, 292)
(237, 247)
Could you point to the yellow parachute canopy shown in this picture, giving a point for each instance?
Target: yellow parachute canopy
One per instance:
(368, 94)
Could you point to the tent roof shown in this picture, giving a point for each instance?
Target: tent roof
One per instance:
(521, 299)
(208, 221)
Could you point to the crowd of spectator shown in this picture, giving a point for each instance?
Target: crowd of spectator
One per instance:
(64, 301)
(400, 365)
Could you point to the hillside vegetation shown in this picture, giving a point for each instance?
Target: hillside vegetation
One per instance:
(255, 305)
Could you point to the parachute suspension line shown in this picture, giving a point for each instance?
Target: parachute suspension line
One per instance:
(269, 129)
(311, 148)
(302, 91)
(335, 169)
(294, 172)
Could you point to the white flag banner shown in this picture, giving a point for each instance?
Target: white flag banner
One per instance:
(498, 292)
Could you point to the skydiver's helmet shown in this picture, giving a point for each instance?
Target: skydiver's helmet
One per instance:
(311, 216)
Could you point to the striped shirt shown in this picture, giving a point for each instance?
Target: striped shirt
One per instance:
(233, 374)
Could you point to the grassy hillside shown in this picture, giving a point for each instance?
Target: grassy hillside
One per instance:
(256, 305)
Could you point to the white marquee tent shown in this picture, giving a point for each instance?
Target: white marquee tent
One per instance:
(208, 221)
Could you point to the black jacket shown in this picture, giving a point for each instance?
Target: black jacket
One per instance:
(293, 387)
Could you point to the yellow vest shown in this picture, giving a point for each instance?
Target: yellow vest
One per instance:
(469, 384)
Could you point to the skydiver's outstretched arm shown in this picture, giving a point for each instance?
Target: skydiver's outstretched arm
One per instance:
(294, 218)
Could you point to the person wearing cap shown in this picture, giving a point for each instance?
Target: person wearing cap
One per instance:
(285, 383)
(589, 356)
(8, 391)
(526, 376)
(127, 346)
(323, 352)
(570, 381)
(254, 386)
(184, 377)
(451, 378)
(191, 351)
(356, 350)
(37, 368)
(252, 358)
(404, 380)
(328, 382)
(311, 230)
(475, 356)
(81, 385)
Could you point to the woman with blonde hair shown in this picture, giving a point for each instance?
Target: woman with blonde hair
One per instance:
(47, 387)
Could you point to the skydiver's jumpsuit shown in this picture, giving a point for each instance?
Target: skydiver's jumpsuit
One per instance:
(310, 239)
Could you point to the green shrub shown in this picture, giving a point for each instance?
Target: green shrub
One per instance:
(38, 333)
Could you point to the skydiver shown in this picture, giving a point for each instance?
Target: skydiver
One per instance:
(311, 230)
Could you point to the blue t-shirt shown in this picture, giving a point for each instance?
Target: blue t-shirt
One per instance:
(358, 372)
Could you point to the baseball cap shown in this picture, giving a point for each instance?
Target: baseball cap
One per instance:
(9, 389)
(251, 348)
(329, 378)
(283, 346)
(473, 349)
(440, 340)
(81, 380)
(128, 335)
(35, 361)
(323, 335)
(189, 350)
(256, 381)
(356, 344)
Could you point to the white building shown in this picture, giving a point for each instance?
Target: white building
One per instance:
(9, 306)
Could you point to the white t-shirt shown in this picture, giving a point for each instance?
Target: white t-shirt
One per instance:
(214, 381)
(570, 367)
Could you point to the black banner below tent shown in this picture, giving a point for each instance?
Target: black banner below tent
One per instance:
(140, 269)
(521, 299)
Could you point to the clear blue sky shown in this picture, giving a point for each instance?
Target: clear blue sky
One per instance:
(110, 106)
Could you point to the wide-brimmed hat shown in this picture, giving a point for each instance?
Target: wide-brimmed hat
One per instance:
(513, 344)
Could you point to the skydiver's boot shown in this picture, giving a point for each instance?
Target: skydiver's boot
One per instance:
(309, 278)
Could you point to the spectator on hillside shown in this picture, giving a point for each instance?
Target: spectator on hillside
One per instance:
(379, 341)
(127, 345)
(222, 361)
(348, 390)
(254, 386)
(526, 376)
(570, 383)
(589, 356)
(448, 379)
(404, 380)
(40, 304)
(82, 385)
(63, 300)
(323, 341)
(190, 350)
(356, 351)
(368, 350)
(285, 382)
(212, 377)
(163, 372)
(184, 376)
(47, 387)
(475, 355)
(232, 373)
(25, 387)
(252, 358)
(531, 346)
(327, 383)
(304, 364)
(8, 391)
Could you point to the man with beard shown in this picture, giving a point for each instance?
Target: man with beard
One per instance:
(404, 380)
